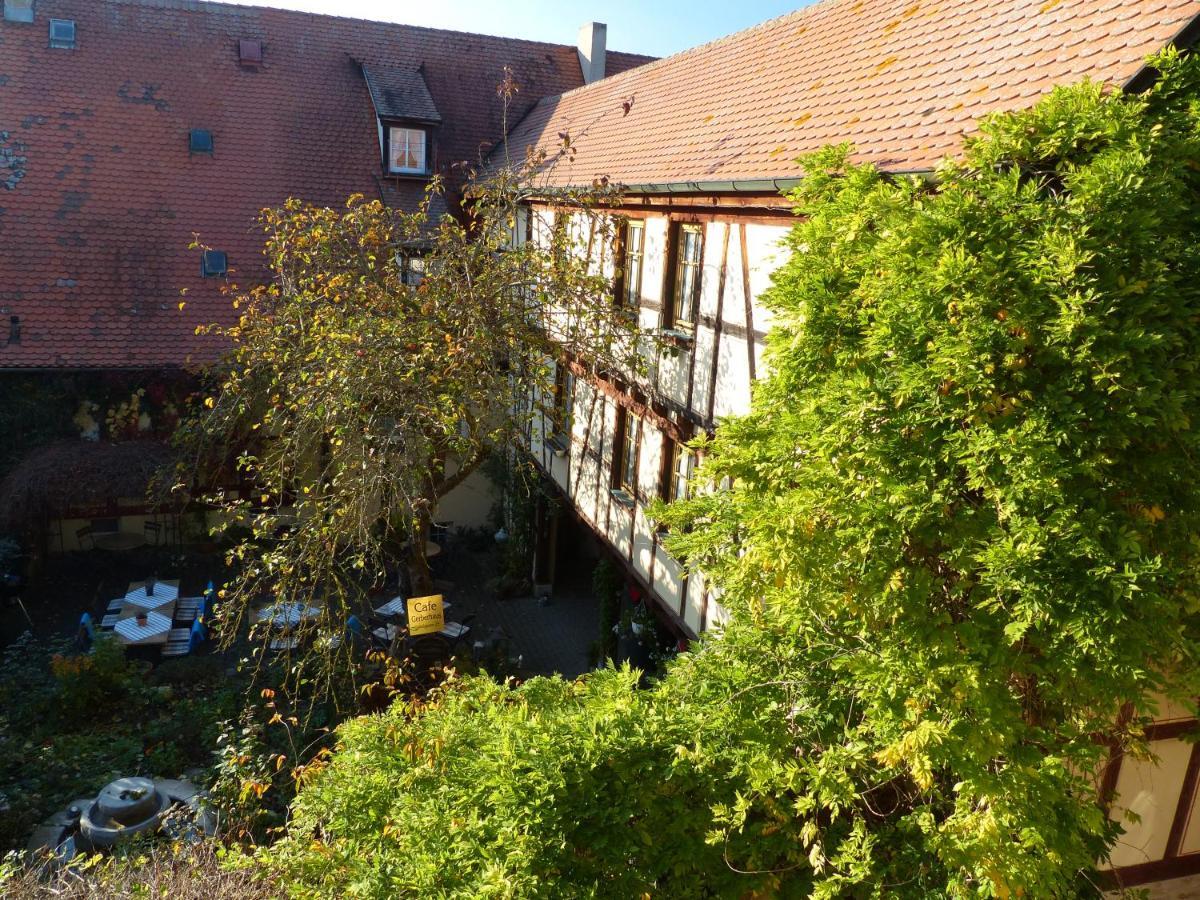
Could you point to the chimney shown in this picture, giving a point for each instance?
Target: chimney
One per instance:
(592, 39)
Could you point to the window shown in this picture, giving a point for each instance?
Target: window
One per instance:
(62, 34)
(407, 151)
(200, 141)
(564, 406)
(18, 10)
(213, 263)
(629, 283)
(685, 287)
(681, 462)
(625, 461)
(412, 270)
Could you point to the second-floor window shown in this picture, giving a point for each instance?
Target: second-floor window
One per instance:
(681, 462)
(625, 460)
(685, 283)
(629, 282)
(408, 151)
(564, 405)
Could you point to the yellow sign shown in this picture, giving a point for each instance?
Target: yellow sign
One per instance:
(425, 615)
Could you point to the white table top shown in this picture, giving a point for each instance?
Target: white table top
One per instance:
(454, 630)
(387, 634)
(163, 593)
(286, 614)
(133, 633)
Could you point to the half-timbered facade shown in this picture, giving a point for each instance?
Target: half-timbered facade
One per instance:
(704, 143)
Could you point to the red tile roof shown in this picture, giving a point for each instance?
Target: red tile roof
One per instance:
(903, 80)
(99, 196)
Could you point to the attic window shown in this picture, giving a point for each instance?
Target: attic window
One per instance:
(200, 140)
(214, 263)
(62, 34)
(408, 150)
(14, 329)
(18, 10)
(250, 52)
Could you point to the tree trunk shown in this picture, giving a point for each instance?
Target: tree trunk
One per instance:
(418, 563)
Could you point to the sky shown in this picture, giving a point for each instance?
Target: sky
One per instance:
(655, 27)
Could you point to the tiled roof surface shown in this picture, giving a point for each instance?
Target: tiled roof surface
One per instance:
(100, 198)
(903, 80)
(400, 94)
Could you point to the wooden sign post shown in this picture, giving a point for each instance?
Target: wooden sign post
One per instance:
(425, 615)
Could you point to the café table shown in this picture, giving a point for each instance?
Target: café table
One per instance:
(286, 615)
(118, 541)
(164, 592)
(156, 630)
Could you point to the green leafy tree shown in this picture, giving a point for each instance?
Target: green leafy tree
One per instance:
(958, 538)
(389, 356)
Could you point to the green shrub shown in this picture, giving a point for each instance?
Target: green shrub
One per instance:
(961, 531)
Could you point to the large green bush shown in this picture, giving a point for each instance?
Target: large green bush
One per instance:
(961, 534)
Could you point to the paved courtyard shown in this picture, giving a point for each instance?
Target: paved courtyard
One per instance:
(548, 636)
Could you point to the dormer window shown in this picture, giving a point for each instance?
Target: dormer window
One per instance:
(408, 150)
(407, 119)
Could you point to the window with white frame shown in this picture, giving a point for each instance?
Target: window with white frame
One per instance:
(633, 243)
(564, 406)
(685, 289)
(681, 463)
(625, 460)
(412, 269)
(408, 150)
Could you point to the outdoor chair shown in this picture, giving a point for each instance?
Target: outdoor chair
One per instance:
(109, 622)
(114, 605)
(84, 537)
(178, 643)
(198, 634)
(87, 632)
(456, 631)
(187, 610)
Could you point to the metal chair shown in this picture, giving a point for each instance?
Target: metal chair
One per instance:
(457, 631)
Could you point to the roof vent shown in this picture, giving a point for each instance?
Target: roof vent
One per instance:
(250, 52)
(214, 263)
(200, 140)
(62, 34)
(18, 10)
(14, 329)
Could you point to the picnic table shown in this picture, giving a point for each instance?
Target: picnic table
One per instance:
(164, 592)
(158, 608)
(156, 630)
